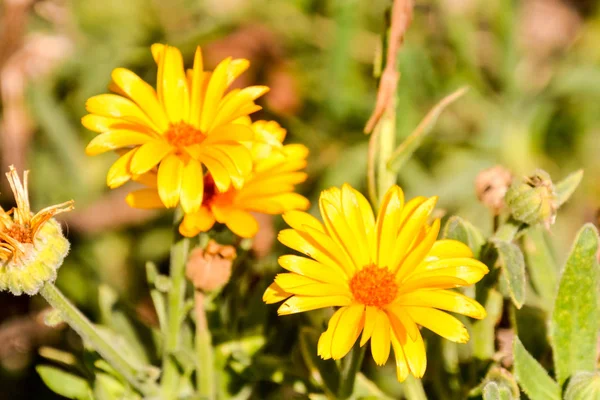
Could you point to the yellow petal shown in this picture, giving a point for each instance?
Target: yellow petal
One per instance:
(242, 223)
(354, 217)
(447, 248)
(401, 322)
(324, 344)
(444, 281)
(98, 123)
(402, 369)
(444, 300)
(313, 269)
(170, 173)
(214, 93)
(298, 304)
(414, 351)
(380, 339)
(119, 173)
(229, 133)
(194, 223)
(227, 162)
(115, 106)
(387, 226)
(469, 270)
(144, 198)
(228, 111)
(157, 50)
(196, 89)
(299, 219)
(274, 294)
(302, 285)
(238, 154)
(235, 69)
(339, 232)
(175, 94)
(218, 172)
(418, 253)
(439, 322)
(371, 314)
(116, 139)
(149, 155)
(347, 330)
(143, 94)
(192, 186)
(411, 225)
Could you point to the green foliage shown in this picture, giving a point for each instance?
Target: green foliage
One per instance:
(493, 391)
(566, 187)
(512, 263)
(575, 319)
(66, 384)
(458, 229)
(583, 386)
(532, 377)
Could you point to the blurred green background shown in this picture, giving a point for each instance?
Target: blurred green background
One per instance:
(533, 68)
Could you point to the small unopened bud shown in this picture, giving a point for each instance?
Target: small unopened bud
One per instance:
(491, 186)
(533, 199)
(210, 268)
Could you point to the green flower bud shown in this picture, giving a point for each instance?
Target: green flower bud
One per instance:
(533, 199)
(32, 247)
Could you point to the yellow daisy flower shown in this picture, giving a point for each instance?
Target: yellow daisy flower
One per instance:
(187, 123)
(32, 246)
(268, 189)
(389, 276)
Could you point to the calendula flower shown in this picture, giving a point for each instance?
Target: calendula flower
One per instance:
(268, 189)
(389, 276)
(32, 246)
(183, 126)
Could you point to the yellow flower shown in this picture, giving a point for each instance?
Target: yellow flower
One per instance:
(187, 123)
(389, 276)
(268, 189)
(32, 247)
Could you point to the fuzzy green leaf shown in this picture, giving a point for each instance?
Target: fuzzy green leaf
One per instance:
(493, 391)
(574, 329)
(512, 263)
(532, 377)
(364, 388)
(483, 332)
(458, 229)
(541, 265)
(66, 384)
(566, 187)
(583, 386)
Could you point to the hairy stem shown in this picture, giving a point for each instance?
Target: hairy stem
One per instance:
(205, 374)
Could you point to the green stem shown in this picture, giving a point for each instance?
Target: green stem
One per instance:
(508, 230)
(350, 368)
(413, 389)
(387, 141)
(88, 332)
(176, 299)
(205, 374)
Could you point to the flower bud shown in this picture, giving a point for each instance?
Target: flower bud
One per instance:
(533, 199)
(210, 268)
(491, 186)
(32, 247)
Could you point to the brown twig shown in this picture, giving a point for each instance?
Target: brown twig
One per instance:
(402, 12)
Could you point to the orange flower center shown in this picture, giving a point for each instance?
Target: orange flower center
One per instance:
(374, 286)
(182, 135)
(20, 233)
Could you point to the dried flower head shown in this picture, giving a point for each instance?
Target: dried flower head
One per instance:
(491, 185)
(210, 268)
(32, 246)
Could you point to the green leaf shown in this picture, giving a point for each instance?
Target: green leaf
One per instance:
(415, 139)
(484, 330)
(325, 372)
(458, 229)
(63, 383)
(532, 377)
(493, 391)
(566, 187)
(364, 388)
(413, 389)
(583, 386)
(541, 265)
(512, 263)
(574, 328)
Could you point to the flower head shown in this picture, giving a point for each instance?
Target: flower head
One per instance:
(187, 124)
(389, 275)
(268, 189)
(32, 246)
